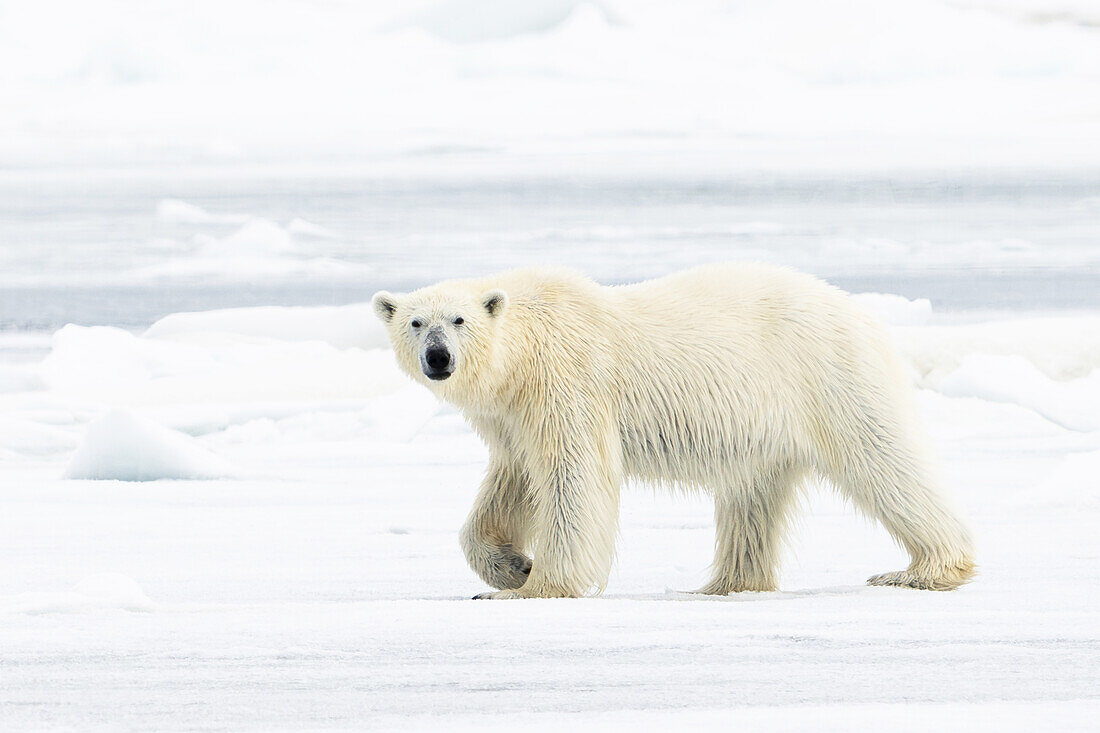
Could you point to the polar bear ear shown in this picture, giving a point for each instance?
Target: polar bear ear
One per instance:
(495, 301)
(384, 305)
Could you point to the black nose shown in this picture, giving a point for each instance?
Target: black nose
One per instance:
(438, 359)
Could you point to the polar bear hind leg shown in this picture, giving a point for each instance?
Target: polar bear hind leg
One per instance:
(887, 477)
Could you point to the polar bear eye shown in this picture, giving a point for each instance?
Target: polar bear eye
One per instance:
(459, 321)
(416, 324)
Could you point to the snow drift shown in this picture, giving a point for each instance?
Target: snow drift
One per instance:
(341, 326)
(257, 247)
(1072, 484)
(96, 592)
(189, 361)
(124, 447)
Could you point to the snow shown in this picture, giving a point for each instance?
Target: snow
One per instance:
(827, 718)
(340, 326)
(1073, 403)
(553, 84)
(182, 212)
(125, 447)
(291, 559)
(324, 586)
(304, 228)
(1061, 347)
(256, 236)
(896, 310)
(190, 368)
(32, 437)
(101, 591)
(17, 378)
(258, 248)
(1072, 483)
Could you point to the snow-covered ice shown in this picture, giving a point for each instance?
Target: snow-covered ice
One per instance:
(324, 587)
(340, 326)
(95, 592)
(1073, 403)
(180, 212)
(553, 84)
(896, 310)
(124, 447)
(257, 247)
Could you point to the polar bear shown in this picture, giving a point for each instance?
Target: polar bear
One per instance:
(740, 380)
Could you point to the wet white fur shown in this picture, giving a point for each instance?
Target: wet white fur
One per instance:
(740, 380)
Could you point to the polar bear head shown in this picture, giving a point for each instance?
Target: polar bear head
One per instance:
(442, 335)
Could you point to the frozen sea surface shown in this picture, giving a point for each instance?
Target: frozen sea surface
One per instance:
(119, 249)
(290, 156)
(788, 84)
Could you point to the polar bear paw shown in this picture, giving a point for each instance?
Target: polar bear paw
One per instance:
(906, 579)
(502, 566)
(724, 587)
(536, 589)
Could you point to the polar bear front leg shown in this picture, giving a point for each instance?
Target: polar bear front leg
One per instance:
(495, 533)
(575, 494)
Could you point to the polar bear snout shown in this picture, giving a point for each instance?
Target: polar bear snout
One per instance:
(437, 363)
(436, 359)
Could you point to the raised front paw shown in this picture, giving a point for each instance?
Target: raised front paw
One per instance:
(501, 566)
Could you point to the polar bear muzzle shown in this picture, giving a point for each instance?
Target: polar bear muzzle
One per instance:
(436, 360)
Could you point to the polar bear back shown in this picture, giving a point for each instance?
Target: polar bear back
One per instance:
(727, 368)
